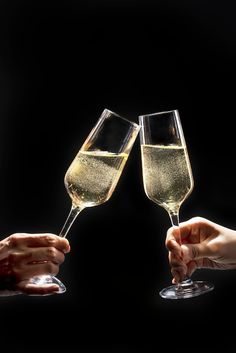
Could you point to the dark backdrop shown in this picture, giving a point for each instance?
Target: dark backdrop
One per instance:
(61, 64)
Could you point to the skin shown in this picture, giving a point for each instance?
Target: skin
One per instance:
(23, 256)
(205, 244)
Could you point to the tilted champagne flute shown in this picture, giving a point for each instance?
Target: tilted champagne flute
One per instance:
(168, 180)
(94, 173)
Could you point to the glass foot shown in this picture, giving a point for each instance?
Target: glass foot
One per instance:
(45, 280)
(187, 289)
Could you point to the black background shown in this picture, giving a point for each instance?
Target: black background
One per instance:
(61, 64)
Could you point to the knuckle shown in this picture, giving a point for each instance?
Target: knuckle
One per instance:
(28, 256)
(51, 252)
(195, 252)
(198, 220)
(173, 272)
(13, 240)
(50, 239)
(169, 244)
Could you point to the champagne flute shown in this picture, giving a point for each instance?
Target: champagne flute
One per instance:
(94, 173)
(168, 180)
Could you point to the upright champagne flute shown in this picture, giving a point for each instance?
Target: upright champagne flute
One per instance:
(94, 173)
(168, 180)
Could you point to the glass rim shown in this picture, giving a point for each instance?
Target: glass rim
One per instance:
(135, 125)
(158, 113)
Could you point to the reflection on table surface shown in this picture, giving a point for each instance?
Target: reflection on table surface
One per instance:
(8, 293)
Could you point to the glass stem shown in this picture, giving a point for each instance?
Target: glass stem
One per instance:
(174, 217)
(75, 210)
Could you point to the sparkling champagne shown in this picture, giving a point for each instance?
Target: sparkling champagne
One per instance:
(92, 177)
(167, 174)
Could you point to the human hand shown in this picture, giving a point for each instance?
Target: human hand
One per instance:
(23, 256)
(205, 244)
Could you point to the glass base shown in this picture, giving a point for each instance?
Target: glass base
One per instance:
(187, 289)
(45, 280)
